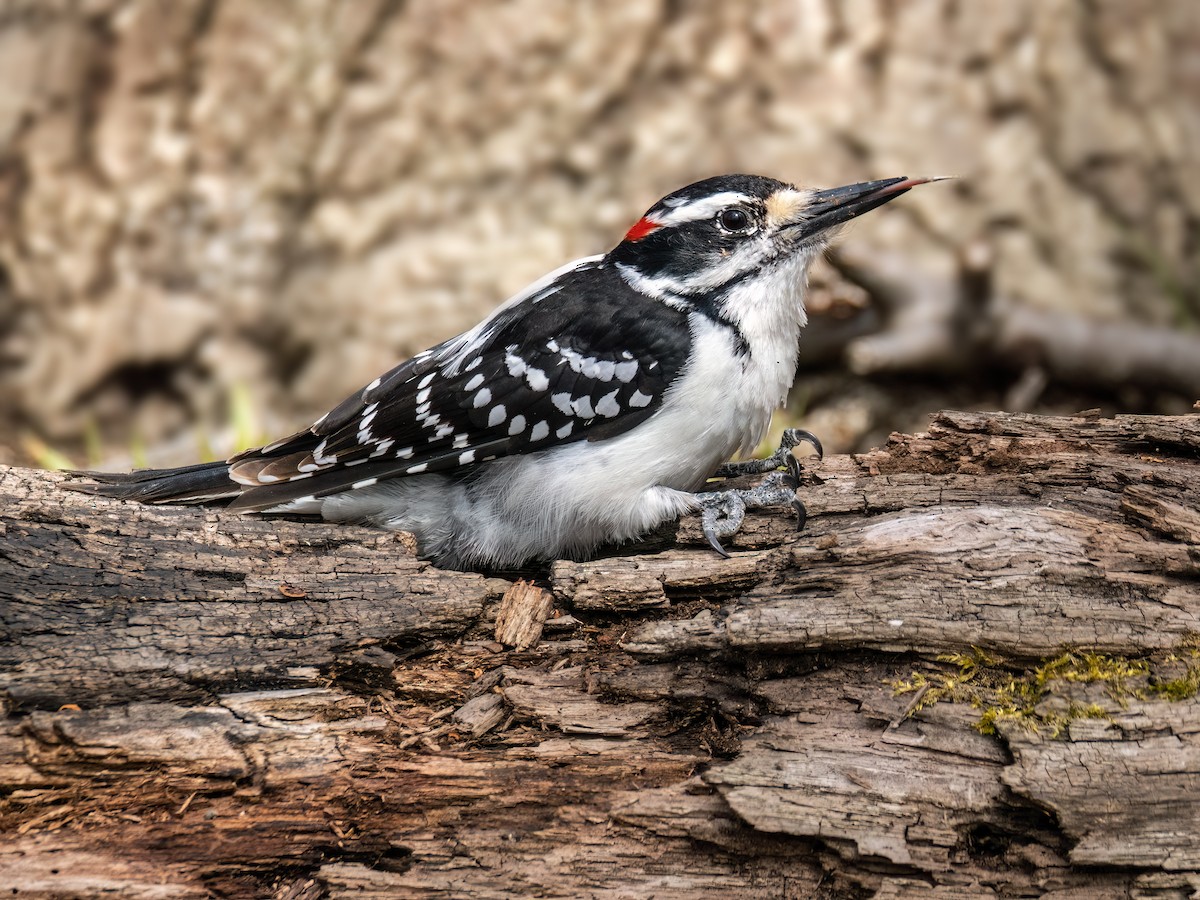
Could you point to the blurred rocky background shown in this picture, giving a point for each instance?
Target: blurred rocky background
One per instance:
(218, 218)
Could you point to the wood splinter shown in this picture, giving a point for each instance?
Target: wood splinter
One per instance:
(522, 615)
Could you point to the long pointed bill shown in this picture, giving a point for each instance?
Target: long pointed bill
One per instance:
(834, 206)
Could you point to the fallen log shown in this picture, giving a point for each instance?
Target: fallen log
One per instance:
(974, 673)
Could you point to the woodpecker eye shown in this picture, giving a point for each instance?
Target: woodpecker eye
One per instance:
(733, 219)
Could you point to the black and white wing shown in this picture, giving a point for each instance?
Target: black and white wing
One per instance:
(577, 356)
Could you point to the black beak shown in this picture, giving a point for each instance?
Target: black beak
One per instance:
(837, 205)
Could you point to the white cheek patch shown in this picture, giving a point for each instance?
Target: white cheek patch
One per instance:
(673, 290)
(748, 257)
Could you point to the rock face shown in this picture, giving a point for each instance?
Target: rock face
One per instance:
(204, 194)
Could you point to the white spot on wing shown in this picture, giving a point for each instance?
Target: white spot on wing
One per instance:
(475, 382)
(626, 370)
(517, 425)
(608, 406)
(562, 402)
(364, 424)
(468, 457)
(413, 470)
(483, 398)
(539, 431)
(583, 407)
(574, 358)
(497, 416)
(537, 379)
(565, 430)
(516, 365)
(320, 458)
(404, 453)
(427, 380)
(365, 483)
(639, 399)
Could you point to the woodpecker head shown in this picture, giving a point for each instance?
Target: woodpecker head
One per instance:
(716, 233)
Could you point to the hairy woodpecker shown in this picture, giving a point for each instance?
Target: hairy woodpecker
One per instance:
(588, 409)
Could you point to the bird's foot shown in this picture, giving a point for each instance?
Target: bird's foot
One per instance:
(722, 512)
(781, 458)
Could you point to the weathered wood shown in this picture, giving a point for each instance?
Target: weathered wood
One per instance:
(153, 601)
(203, 704)
(1143, 749)
(522, 615)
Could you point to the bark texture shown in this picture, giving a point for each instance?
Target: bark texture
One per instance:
(973, 674)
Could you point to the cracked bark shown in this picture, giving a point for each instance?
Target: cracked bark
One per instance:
(202, 704)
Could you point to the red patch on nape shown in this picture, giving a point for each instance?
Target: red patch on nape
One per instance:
(641, 228)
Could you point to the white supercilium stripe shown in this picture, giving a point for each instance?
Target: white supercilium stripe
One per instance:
(704, 208)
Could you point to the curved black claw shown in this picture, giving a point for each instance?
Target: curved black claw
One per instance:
(794, 437)
(721, 515)
(795, 470)
(714, 543)
(801, 514)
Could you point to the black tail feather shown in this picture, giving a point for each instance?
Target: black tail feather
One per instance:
(200, 483)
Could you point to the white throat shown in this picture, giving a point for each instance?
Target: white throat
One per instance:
(769, 313)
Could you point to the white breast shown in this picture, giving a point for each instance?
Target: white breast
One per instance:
(769, 311)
